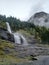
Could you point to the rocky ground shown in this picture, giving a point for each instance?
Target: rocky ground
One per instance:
(43, 61)
(31, 50)
(39, 52)
(31, 54)
(14, 54)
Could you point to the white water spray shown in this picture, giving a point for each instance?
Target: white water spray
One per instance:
(24, 41)
(18, 38)
(8, 27)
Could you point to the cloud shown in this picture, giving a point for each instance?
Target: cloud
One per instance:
(39, 5)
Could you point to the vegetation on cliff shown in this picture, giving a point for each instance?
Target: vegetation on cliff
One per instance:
(40, 33)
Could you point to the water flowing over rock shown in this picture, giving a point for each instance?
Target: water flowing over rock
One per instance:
(18, 38)
(23, 40)
(8, 27)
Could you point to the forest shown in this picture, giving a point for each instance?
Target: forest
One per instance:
(40, 33)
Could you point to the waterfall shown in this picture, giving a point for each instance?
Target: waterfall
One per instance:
(24, 41)
(18, 38)
(8, 27)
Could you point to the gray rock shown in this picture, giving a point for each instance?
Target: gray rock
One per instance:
(40, 18)
(4, 34)
(43, 61)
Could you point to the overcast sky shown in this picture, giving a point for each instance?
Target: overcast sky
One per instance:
(23, 9)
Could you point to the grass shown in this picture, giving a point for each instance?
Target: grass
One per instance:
(3, 25)
(11, 57)
(4, 44)
(42, 45)
(24, 32)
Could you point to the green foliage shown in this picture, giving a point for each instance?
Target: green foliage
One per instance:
(2, 25)
(43, 34)
(15, 23)
(40, 33)
(11, 56)
(4, 44)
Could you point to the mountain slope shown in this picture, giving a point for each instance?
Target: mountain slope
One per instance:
(40, 18)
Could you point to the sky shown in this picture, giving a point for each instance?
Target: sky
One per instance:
(23, 9)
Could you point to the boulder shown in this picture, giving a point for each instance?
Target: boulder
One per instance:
(4, 34)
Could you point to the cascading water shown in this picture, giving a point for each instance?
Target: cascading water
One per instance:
(8, 27)
(24, 41)
(18, 38)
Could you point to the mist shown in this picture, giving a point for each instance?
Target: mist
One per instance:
(40, 5)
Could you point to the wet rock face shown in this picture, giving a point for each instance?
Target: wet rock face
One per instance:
(4, 34)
